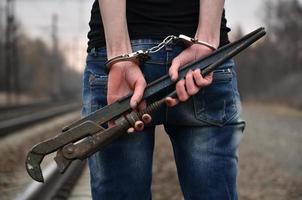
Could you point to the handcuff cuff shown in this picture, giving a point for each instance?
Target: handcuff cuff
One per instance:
(142, 56)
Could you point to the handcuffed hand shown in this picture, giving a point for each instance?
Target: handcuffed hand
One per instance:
(125, 77)
(193, 81)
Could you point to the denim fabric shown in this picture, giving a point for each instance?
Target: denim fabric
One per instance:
(205, 133)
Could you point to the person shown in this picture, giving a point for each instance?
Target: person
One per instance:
(205, 128)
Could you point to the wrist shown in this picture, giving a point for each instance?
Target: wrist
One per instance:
(115, 51)
(213, 39)
(201, 51)
(135, 58)
(121, 67)
(205, 44)
(117, 47)
(120, 62)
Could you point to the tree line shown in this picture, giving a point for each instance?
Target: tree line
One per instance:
(271, 71)
(41, 71)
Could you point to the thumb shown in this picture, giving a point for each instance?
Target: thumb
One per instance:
(138, 92)
(183, 58)
(173, 70)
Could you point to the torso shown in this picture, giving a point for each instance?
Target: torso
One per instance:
(154, 19)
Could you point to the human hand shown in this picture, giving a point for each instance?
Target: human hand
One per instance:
(193, 81)
(125, 77)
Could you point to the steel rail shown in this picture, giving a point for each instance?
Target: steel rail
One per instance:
(10, 125)
(56, 185)
(33, 105)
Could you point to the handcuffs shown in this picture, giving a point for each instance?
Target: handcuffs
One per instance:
(142, 56)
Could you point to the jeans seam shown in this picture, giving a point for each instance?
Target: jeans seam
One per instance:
(156, 63)
(167, 68)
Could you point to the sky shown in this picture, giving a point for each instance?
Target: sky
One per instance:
(73, 16)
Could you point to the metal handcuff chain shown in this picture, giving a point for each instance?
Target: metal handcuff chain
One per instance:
(142, 56)
(161, 45)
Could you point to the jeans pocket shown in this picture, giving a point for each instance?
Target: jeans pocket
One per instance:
(216, 104)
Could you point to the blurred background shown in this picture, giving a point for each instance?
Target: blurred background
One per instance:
(42, 56)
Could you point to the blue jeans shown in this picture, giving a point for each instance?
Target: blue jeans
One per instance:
(205, 133)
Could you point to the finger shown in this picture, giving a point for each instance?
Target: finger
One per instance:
(146, 118)
(130, 130)
(209, 77)
(139, 125)
(200, 81)
(173, 70)
(171, 101)
(183, 58)
(181, 91)
(191, 87)
(138, 92)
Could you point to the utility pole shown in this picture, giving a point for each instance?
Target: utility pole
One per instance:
(2, 71)
(56, 68)
(8, 49)
(11, 55)
(54, 32)
(15, 59)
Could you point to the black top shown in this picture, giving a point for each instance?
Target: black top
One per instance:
(154, 19)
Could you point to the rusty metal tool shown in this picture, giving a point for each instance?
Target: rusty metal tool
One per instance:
(87, 136)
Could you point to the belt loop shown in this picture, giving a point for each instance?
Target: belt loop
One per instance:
(169, 47)
(94, 52)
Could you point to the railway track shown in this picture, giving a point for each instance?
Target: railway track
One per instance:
(56, 186)
(42, 120)
(12, 111)
(269, 164)
(24, 106)
(29, 118)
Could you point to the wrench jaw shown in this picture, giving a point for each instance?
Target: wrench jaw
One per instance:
(33, 167)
